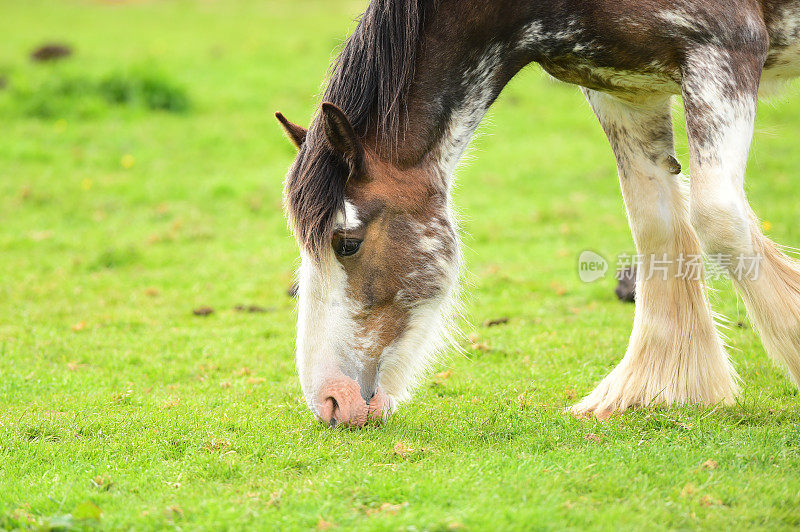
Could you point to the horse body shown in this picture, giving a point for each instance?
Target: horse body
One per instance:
(368, 196)
(639, 48)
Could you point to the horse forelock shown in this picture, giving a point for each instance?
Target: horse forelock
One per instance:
(314, 193)
(370, 82)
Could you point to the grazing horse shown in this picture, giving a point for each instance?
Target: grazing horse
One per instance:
(368, 196)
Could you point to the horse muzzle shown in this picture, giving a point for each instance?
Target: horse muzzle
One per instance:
(339, 402)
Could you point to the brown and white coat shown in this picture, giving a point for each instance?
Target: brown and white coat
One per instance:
(368, 196)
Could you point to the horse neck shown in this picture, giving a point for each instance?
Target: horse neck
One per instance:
(459, 73)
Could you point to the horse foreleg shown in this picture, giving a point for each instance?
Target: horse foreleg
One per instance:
(720, 95)
(675, 355)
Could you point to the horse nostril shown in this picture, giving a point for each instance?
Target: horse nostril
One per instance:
(328, 410)
(336, 412)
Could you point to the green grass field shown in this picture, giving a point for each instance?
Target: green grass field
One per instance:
(141, 179)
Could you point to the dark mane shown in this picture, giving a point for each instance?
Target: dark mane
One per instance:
(370, 79)
(370, 82)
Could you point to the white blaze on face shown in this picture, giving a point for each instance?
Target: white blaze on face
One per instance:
(325, 324)
(349, 219)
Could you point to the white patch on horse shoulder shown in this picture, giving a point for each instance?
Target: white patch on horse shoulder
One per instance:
(464, 121)
(534, 35)
(580, 47)
(680, 19)
(571, 35)
(677, 17)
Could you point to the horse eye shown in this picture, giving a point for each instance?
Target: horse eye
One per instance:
(347, 247)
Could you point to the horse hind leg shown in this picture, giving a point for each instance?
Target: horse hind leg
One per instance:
(720, 96)
(675, 355)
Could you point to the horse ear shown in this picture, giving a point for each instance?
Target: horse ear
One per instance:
(341, 135)
(297, 134)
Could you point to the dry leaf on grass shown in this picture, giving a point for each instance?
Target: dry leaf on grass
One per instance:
(324, 525)
(688, 490)
(275, 498)
(402, 450)
(709, 500)
(481, 346)
(558, 288)
(174, 511)
(710, 464)
(442, 376)
(215, 445)
(387, 508)
(121, 397)
(172, 402)
(102, 482)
